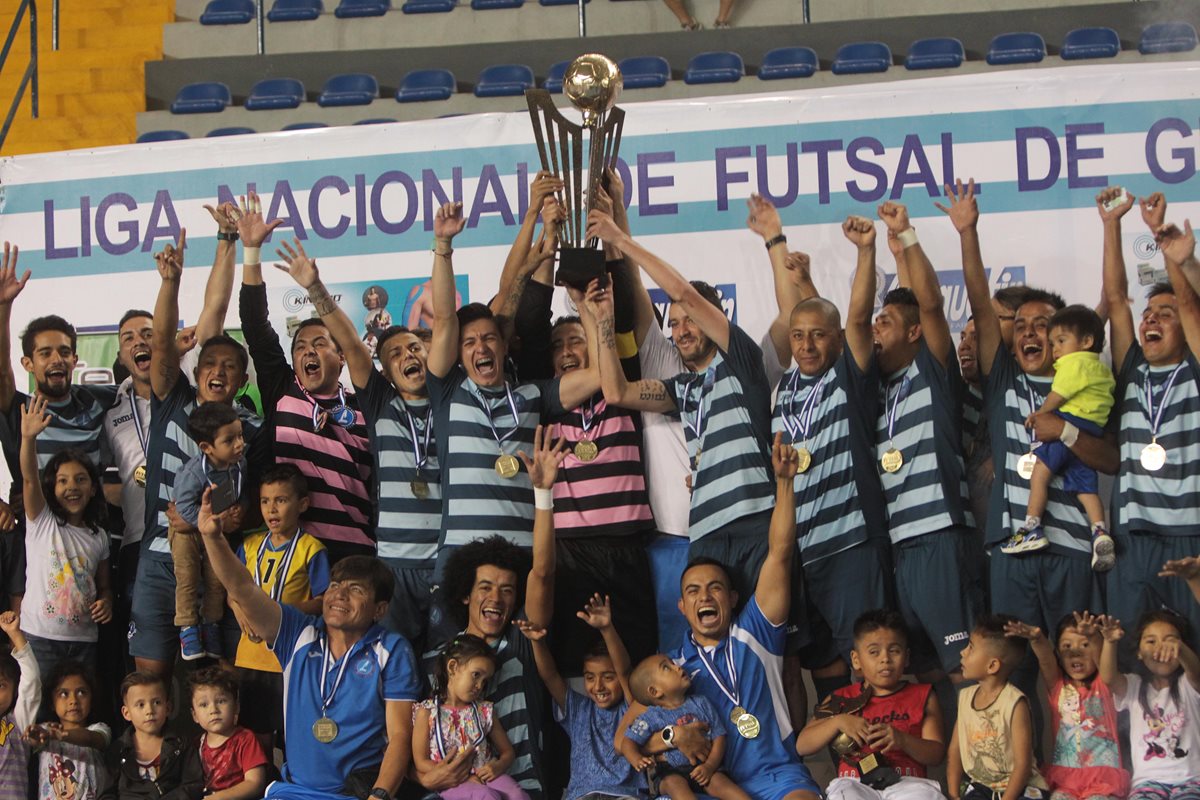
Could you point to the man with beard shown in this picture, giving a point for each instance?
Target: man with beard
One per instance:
(395, 406)
(309, 419)
(220, 373)
(1157, 497)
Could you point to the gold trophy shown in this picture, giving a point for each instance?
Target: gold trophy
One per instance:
(592, 83)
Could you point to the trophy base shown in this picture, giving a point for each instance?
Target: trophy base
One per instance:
(579, 266)
(877, 774)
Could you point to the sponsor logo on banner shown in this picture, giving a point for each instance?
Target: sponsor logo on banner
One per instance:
(954, 291)
(1144, 251)
(727, 292)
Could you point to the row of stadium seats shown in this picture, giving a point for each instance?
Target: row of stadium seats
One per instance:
(712, 67)
(240, 12)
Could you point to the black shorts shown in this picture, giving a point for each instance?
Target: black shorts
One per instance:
(840, 588)
(411, 605)
(261, 707)
(12, 561)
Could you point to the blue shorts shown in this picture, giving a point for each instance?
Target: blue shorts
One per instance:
(668, 556)
(1077, 477)
(152, 631)
(283, 790)
(867, 568)
(778, 782)
(935, 597)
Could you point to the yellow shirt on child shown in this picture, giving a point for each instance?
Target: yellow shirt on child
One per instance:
(1088, 385)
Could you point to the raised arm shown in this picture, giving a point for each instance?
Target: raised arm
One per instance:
(304, 272)
(773, 590)
(34, 419)
(861, 232)
(258, 609)
(1113, 204)
(964, 214)
(448, 222)
(547, 669)
(1110, 671)
(518, 270)
(642, 395)
(578, 385)
(543, 469)
(164, 353)
(597, 613)
(1179, 255)
(1186, 568)
(934, 326)
(1042, 648)
(10, 287)
(764, 220)
(220, 280)
(1190, 664)
(253, 231)
(710, 319)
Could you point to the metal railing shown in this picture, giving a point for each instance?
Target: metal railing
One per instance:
(30, 78)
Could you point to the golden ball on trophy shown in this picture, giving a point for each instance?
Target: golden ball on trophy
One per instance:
(592, 83)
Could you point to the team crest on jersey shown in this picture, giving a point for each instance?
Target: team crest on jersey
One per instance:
(364, 667)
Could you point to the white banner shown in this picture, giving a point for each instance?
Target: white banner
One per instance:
(1039, 143)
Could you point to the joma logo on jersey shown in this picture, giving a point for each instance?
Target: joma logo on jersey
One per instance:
(961, 636)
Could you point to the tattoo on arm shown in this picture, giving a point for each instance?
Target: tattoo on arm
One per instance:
(513, 300)
(321, 300)
(651, 390)
(607, 338)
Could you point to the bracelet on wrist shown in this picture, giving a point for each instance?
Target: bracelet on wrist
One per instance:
(774, 240)
(227, 236)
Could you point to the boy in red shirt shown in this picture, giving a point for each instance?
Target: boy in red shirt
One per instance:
(235, 766)
(885, 730)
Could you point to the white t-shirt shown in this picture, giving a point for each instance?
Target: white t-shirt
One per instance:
(60, 579)
(1164, 740)
(665, 451)
(68, 770)
(121, 428)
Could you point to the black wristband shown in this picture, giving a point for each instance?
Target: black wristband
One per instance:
(774, 240)
(227, 237)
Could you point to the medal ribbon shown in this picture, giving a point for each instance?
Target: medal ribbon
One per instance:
(285, 563)
(487, 412)
(237, 471)
(697, 428)
(894, 405)
(586, 418)
(420, 451)
(1034, 405)
(317, 411)
(803, 421)
(731, 691)
(137, 423)
(1155, 419)
(437, 727)
(326, 663)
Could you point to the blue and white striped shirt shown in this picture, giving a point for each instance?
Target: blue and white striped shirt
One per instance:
(1166, 501)
(76, 422)
(839, 502)
(928, 492)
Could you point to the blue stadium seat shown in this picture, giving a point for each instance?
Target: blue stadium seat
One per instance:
(228, 12)
(788, 62)
(304, 126)
(1167, 37)
(717, 66)
(161, 136)
(937, 53)
(275, 93)
(361, 8)
(375, 121)
(201, 98)
(426, 84)
(487, 5)
(428, 6)
(236, 130)
(352, 89)
(1016, 48)
(504, 80)
(1090, 43)
(859, 57)
(295, 10)
(645, 72)
(561, 2)
(554, 78)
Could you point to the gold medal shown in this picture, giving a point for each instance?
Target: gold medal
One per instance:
(139, 476)
(420, 489)
(325, 730)
(747, 726)
(1154, 456)
(736, 714)
(1025, 465)
(507, 466)
(892, 460)
(803, 459)
(586, 450)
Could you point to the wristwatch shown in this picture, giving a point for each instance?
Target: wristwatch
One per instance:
(232, 236)
(668, 736)
(380, 793)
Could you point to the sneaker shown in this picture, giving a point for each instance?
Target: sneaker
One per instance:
(210, 634)
(1104, 551)
(1025, 540)
(190, 644)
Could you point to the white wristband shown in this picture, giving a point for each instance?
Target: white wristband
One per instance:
(1069, 435)
(543, 499)
(251, 256)
(907, 237)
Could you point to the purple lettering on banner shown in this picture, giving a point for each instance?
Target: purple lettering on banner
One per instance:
(410, 210)
(627, 180)
(48, 234)
(866, 168)
(85, 226)
(129, 227)
(360, 205)
(1075, 154)
(822, 147)
(156, 230)
(434, 195)
(912, 150)
(226, 195)
(793, 181)
(489, 179)
(314, 207)
(522, 190)
(725, 177)
(1022, 138)
(646, 182)
(948, 176)
(1185, 155)
(282, 196)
